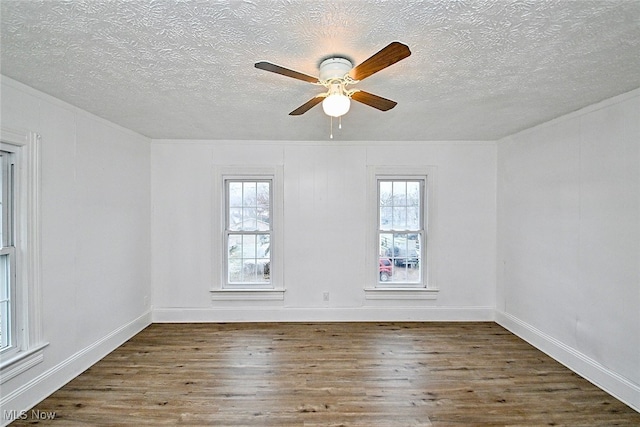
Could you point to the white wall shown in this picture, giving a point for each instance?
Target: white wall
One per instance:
(325, 217)
(95, 240)
(569, 241)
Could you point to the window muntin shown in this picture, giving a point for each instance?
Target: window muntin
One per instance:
(248, 228)
(400, 231)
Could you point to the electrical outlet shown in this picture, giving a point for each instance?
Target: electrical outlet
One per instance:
(325, 296)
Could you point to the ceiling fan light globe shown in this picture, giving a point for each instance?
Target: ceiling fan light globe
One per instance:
(336, 105)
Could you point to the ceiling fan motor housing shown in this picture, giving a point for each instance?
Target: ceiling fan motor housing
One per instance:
(334, 68)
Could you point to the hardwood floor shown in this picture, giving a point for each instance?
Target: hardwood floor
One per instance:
(330, 374)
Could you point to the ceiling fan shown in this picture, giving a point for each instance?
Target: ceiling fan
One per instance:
(337, 73)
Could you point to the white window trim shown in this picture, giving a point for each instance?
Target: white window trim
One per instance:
(220, 291)
(28, 299)
(428, 289)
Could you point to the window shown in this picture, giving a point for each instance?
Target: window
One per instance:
(8, 335)
(401, 240)
(400, 230)
(248, 231)
(21, 345)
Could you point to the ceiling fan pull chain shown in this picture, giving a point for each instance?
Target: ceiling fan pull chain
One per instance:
(331, 132)
(340, 122)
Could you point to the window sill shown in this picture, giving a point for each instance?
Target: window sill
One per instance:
(247, 294)
(21, 362)
(401, 293)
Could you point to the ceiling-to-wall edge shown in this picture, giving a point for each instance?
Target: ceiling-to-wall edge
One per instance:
(325, 143)
(585, 110)
(577, 113)
(4, 80)
(8, 81)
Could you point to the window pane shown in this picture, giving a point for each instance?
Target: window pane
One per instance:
(399, 205)
(264, 220)
(413, 193)
(263, 194)
(264, 246)
(235, 219)
(263, 206)
(249, 258)
(5, 303)
(235, 246)
(249, 194)
(399, 258)
(386, 245)
(386, 218)
(249, 221)
(249, 206)
(399, 218)
(235, 194)
(399, 193)
(385, 270)
(385, 193)
(5, 281)
(413, 218)
(249, 246)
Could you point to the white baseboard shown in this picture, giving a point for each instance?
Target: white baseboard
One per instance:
(34, 391)
(609, 381)
(359, 314)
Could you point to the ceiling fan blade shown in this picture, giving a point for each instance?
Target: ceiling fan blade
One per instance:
(375, 101)
(389, 55)
(307, 105)
(268, 66)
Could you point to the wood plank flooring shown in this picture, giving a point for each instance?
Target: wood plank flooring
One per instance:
(330, 374)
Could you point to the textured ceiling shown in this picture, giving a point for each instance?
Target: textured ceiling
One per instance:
(479, 70)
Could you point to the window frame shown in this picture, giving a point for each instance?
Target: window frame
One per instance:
(426, 287)
(228, 284)
(221, 289)
(29, 345)
(8, 249)
(420, 230)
